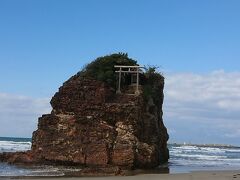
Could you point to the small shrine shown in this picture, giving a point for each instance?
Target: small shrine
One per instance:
(134, 71)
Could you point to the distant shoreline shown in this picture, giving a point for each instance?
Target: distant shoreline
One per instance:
(205, 145)
(2, 138)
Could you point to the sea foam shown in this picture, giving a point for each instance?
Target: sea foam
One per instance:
(12, 146)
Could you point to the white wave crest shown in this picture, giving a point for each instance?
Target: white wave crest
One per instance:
(12, 146)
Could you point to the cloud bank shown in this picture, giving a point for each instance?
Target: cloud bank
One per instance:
(19, 114)
(203, 108)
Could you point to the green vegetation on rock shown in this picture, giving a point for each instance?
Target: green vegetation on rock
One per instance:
(102, 69)
(153, 81)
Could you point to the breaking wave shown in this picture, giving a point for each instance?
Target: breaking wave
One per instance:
(192, 157)
(12, 146)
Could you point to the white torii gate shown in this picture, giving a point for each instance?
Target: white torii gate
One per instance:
(128, 69)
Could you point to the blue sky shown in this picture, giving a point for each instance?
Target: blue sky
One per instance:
(44, 42)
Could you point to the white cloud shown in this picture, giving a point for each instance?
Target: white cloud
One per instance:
(210, 100)
(19, 114)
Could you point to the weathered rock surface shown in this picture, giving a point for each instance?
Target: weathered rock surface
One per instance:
(92, 126)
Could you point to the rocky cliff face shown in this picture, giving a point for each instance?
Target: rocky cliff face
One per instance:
(92, 126)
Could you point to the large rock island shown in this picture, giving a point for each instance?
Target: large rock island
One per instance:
(93, 126)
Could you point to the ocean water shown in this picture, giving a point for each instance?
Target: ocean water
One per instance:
(183, 158)
(8, 144)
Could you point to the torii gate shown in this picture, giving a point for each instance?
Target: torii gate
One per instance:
(130, 69)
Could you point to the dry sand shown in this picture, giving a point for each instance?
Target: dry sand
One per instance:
(204, 175)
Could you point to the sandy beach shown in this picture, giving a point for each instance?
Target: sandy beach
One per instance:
(200, 175)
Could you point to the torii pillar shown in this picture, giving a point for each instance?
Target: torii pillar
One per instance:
(119, 80)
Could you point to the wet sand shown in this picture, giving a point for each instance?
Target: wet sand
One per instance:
(201, 175)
